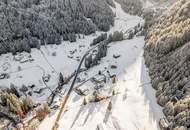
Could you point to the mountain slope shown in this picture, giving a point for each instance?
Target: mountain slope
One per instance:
(167, 55)
(24, 23)
(134, 107)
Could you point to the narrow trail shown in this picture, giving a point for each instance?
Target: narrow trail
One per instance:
(48, 62)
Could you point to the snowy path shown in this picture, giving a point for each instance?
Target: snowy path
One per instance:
(124, 21)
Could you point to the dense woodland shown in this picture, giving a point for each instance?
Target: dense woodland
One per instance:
(27, 24)
(167, 56)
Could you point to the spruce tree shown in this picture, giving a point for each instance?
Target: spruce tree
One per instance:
(61, 79)
(84, 101)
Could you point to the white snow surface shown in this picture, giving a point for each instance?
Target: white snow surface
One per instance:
(134, 107)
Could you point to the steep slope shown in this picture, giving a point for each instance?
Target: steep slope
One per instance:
(167, 55)
(24, 23)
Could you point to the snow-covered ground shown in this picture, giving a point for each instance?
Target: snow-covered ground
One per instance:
(134, 107)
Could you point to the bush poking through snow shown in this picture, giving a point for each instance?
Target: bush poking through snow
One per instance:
(19, 106)
(42, 111)
(109, 108)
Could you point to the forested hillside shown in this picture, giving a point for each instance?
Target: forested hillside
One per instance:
(167, 54)
(27, 24)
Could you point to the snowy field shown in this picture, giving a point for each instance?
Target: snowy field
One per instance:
(134, 106)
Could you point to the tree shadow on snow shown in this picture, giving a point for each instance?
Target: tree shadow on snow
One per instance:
(155, 111)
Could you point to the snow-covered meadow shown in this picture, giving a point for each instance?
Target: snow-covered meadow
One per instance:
(134, 105)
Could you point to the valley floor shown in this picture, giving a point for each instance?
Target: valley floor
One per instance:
(133, 108)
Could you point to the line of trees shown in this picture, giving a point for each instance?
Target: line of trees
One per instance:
(113, 37)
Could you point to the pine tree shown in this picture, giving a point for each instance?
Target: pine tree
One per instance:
(61, 79)
(84, 101)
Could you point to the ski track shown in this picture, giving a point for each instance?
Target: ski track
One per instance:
(134, 108)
